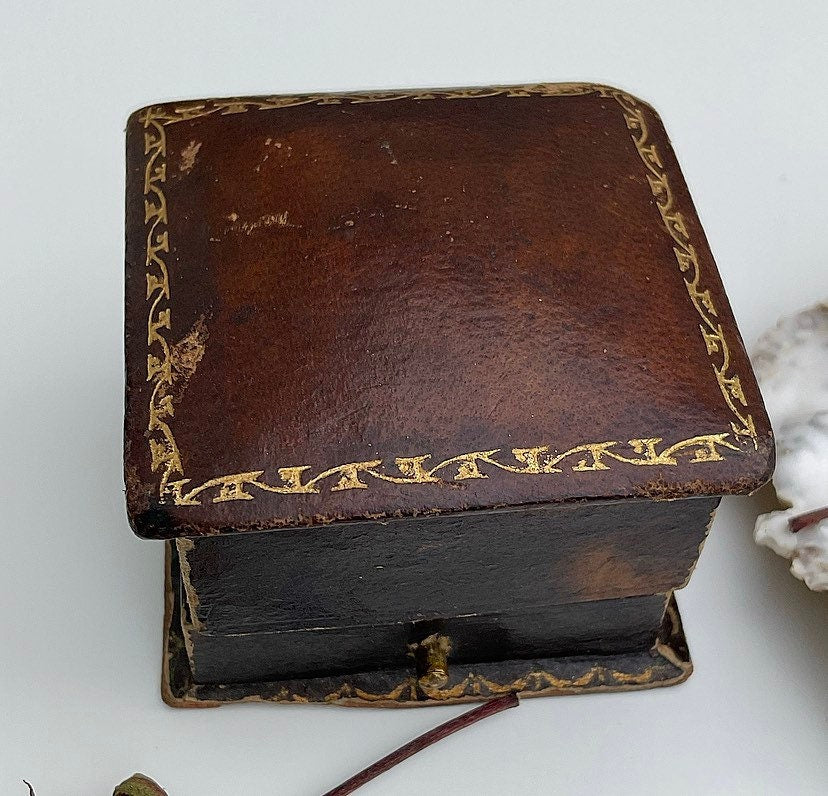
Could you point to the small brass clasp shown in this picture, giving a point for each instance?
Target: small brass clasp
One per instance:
(431, 655)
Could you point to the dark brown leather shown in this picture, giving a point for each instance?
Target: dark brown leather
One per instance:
(348, 280)
(596, 628)
(599, 646)
(515, 583)
(414, 569)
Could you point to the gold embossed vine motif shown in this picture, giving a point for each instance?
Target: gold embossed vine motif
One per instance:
(688, 263)
(163, 448)
(224, 107)
(475, 685)
(165, 455)
(589, 457)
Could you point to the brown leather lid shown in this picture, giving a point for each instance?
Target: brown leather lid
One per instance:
(390, 304)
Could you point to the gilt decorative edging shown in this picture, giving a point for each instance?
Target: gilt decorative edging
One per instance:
(711, 330)
(418, 470)
(165, 454)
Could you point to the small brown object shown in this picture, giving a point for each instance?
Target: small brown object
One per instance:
(801, 521)
(426, 739)
(405, 365)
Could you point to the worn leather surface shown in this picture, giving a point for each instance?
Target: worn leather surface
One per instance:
(588, 629)
(606, 632)
(368, 280)
(424, 568)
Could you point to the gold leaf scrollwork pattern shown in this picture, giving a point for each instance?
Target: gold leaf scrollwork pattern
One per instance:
(540, 682)
(164, 452)
(588, 457)
(475, 465)
(688, 263)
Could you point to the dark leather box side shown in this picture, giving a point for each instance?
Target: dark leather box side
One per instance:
(268, 603)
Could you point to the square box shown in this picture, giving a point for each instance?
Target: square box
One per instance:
(367, 325)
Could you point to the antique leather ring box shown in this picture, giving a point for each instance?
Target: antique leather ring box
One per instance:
(432, 394)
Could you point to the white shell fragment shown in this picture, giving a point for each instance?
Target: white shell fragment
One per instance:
(791, 363)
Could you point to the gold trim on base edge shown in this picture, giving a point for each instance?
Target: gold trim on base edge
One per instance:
(666, 663)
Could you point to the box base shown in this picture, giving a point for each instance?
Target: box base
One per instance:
(667, 662)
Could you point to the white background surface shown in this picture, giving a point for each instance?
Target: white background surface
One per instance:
(741, 87)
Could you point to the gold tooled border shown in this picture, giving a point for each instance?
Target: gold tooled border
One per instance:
(589, 456)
